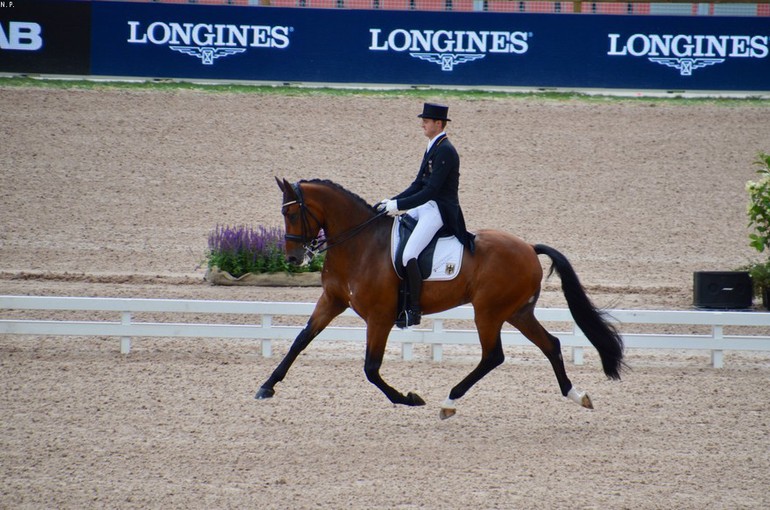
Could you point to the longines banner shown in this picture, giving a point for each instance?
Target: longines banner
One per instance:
(413, 48)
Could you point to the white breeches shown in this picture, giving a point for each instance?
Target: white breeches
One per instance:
(428, 223)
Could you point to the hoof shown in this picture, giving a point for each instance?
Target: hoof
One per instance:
(264, 393)
(413, 399)
(446, 413)
(580, 398)
(448, 409)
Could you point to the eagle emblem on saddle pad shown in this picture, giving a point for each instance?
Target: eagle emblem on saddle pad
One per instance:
(441, 260)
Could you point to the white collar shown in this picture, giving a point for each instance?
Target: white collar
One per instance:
(433, 140)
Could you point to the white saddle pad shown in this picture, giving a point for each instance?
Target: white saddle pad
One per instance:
(447, 258)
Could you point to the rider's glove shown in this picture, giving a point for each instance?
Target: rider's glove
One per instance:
(391, 206)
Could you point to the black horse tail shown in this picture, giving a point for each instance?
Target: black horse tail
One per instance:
(603, 335)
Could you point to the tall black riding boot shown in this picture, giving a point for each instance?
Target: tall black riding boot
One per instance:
(415, 290)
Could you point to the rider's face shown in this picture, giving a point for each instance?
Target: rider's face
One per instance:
(431, 127)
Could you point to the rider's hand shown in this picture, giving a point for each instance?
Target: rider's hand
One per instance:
(381, 205)
(391, 206)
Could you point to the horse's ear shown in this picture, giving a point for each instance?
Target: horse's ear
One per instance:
(288, 190)
(280, 184)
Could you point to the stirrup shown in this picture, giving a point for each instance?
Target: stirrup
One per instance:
(413, 317)
(408, 318)
(402, 321)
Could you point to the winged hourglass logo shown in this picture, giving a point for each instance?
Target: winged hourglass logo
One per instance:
(207, 54)
(686, 65)
(447, 61)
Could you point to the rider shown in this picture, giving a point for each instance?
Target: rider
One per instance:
(432, 199)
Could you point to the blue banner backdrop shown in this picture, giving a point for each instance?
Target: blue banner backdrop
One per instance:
(436, 48)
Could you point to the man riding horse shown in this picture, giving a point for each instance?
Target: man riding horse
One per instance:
(432, 199)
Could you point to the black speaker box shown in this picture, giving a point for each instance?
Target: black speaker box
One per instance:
(725, 290)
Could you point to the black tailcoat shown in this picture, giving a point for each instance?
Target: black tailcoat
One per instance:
(439, 179)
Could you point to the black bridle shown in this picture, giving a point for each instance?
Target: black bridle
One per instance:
(315, 245)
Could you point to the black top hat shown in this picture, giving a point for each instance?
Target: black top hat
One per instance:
(434, 111)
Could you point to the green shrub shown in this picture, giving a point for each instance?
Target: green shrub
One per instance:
(759, 205)
(759, 221)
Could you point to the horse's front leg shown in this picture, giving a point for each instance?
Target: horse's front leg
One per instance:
(492, 356)
(325, 310)
(376, 340)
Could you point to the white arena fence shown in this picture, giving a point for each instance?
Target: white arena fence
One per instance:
(436, 336)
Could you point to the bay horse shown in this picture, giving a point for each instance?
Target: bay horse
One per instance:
(501, 280)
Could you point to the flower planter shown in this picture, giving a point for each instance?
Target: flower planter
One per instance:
(724, 290)
(216, 276)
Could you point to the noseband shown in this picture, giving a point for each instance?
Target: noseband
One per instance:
(313, 245)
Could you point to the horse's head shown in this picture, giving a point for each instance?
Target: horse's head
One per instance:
(302, 224)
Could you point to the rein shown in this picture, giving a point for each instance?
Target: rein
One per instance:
(313, 245)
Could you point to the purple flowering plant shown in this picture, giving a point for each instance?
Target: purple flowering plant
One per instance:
(242, 249)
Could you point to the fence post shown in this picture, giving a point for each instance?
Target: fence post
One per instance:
(267, 345)
(437, 349)
(717, 355)
(577, 351)
(125, 341)
(407, 351)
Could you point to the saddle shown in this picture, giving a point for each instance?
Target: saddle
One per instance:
(440, 260)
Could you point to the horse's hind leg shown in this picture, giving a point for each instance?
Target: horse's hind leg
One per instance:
(526, 322)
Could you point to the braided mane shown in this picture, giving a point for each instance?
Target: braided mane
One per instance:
(332, 184)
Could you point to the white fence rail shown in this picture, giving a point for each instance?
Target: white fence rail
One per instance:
(436, 336)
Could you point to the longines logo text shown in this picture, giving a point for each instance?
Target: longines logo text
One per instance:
(687, 53)
(208, 41)
(448, 48)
